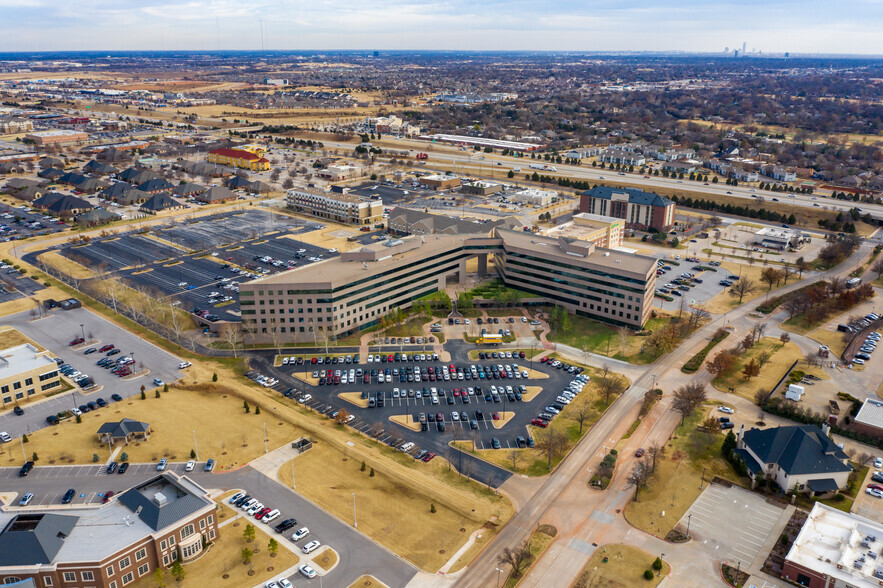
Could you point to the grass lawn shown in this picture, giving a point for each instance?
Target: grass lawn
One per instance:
(532, 461)
(833, 339)
(624, 567)
(538, 544)
(783, 355)
(595, 337)
(172, 418)
(326, 559)
(329, 478)
(59, 262)
(411, 327)
(675, 484)
(724, 301)
(222, 565)
(368, 582)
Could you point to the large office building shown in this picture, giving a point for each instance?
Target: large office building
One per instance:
(348, 209)
(109, 545)
(356, 289)
(56, 137)
(26, 370)
(640, 210)
(603, 231)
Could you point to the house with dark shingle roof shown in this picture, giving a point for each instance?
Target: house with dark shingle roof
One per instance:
(50, 173)
(188, 189)
(98, 167)
(72, 178)
(50, 162)
(91, 185)
(124, 430)
(160, 203)
(800, 457)
(63, 204)
(115, 190)
(237, 182)
(34, 538)
(216, 194)
(640, 210)
(29, 193)
(97, 216)
(155, 186)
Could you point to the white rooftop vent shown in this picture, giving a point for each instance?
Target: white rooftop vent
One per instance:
(160, 499)
(606, 254)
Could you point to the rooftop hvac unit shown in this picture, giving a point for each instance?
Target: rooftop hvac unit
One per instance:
(160, 499)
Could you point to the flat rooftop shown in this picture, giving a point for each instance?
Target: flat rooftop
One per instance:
(22, 359)
(56, 133)
(842, 545)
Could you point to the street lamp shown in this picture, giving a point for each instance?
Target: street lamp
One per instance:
(659, 571)
(83, 331)
(689, 518)
(195, 445)
(499, 572)
(703, 479)
(355, 519)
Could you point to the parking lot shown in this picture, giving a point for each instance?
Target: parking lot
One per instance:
(210, 255)
(20, 222)
(377, 421)
(55, 333)
(699, 289)
(732, 521)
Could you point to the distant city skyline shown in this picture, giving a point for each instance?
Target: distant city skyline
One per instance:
(777, 26)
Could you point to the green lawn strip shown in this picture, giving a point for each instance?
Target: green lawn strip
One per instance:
(694, 363)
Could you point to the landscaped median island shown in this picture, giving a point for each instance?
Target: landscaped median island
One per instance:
(564, 431)
(622, 565)
(694, 363)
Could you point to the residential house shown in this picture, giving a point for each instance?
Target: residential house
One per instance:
(160, 203)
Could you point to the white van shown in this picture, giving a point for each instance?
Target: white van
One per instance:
(270, 516)
(406, 447)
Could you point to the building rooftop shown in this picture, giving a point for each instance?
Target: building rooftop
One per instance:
(23, 358)
(635, 196)
(330, 195)
(56, 133)
(871, 413)
(799, 449)
(841, 545)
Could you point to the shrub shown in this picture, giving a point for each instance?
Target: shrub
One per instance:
(143, 395)
(214, 377)
(839, 497)
(371, 473)
(94, 458)
(363, 466)
(79, 419)
(657, 564)
(257, 410)
(124, 456)
(432, 508)
(648, 574)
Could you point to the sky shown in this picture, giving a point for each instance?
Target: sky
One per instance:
(770, 26)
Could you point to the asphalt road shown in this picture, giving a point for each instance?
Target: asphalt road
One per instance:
(325, 399)
(55, 333)
(358, 554)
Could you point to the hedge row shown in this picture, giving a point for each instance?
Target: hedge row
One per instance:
(695, 362)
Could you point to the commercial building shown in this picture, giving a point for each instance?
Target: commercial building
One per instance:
(26, 370)
(481, 187)
(799, 457)
(355, 290)
(777, 238)
(482, 142)
(56, 137)
(440, 182)
(533, 196)
(603, 231)
(342, 208)
(407, 221)
(640, 210)
(15, 125)
(338, 172)
(275, 81)
(110, 545)
(836, 549)
(869, 420)
(238, 158)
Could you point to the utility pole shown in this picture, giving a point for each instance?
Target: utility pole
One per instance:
(196, 445)
(265, 438)
(355, 519)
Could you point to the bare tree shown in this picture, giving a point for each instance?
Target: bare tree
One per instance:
(580, 411)
(515, 456)
(864, 458)
(688, 398)
(611, 385)
(233, 337)
(515, 557)
(878, 267)
(742, 288)
(761, 397)
(639, 476)
(654, 452)
(277, 337)
(552, 441)
(697, 315)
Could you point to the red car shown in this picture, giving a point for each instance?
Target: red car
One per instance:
(314, 361)
(639, 452)
(77, 341)
(496, 416)
(107, 496)
(876, 487)
(539, 423)
(261, 513)
(544, 359)
(106, 348)
(428, 457)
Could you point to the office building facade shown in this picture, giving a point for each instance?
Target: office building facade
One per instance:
(342, 208)
(640, 210)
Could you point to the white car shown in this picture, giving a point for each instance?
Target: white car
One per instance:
(307, 571)
(305, 398)
(874, 492)
(284, 583)
(351, 418)
(254, 508)
(878, 463)
(311, 547)
(190, 465)
(4, 437)
(300, 534)
(271, 584)
(236, 497)
(76, 412)
(725, 409)
(184, 365)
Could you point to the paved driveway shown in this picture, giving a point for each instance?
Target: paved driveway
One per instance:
(359, 554)
(732, 521)
(55, 333)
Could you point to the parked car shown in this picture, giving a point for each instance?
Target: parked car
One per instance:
(311, 547)
(68, 496)
(307, 570)
(26, 499)
(300, 534)
(162, 464)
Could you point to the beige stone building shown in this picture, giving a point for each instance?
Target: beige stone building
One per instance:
(26, 370)
(354, 290)
(342, 208)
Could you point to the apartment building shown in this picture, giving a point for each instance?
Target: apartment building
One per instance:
(356, 289)
(240, 158)
(15, 125)
(109, 545)
(640, 210)
(621, 157)
(342, 208)
(26, 370)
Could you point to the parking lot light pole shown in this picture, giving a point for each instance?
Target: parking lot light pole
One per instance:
(499, 572)
(196, 445)
(293, 486)
(23, 454)
(659, 571)
(265, 438)
(355, 519)
(83, 331)
(689, 518)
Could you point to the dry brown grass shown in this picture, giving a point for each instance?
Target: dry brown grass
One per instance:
(781, 359)
(833, 339)
(63, 264)
(224, 558)
(406, 421)
(624, 567)
(172, 418)
(329, 478)
(10, 337)
(326, 559)
(368, 582)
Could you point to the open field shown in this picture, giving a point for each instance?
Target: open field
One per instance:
(329, 478)
(222, 565)
(619, 566)
(172, 418)
(781, 358)
(63, 264)
(833, 339)
(595, 337)
(789, 134)
(676, 483)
